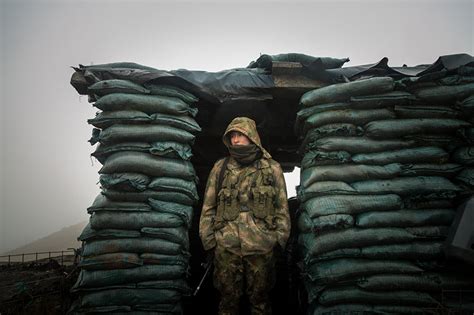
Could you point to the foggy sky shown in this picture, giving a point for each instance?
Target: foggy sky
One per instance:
(47, 176)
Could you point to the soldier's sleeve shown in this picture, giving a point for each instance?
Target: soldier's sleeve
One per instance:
(208, 212)
(282, 215)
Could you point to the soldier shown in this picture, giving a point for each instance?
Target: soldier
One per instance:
(244, 219)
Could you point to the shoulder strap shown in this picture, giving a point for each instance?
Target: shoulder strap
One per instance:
(221, 174)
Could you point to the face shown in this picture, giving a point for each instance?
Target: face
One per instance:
(238, 138)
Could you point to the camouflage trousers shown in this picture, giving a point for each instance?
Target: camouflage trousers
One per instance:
(233, 274)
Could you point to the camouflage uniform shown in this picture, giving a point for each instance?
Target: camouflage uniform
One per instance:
(243, 223)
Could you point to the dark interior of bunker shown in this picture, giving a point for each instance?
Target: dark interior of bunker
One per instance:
(387, 169)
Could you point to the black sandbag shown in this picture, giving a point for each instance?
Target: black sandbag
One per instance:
(130, 297)
(412, 155)
(466, 176)
(349, 173)
(171, 91)
(162, 259)
(106, 119)
(178, 235)
(316, 157)
(397, 128)
(464, 156)
(427, 203)
(144, 196)
(351, 204)
(467, 105)
(183, 122)
(102, 278)
(405, 218)
(389, 282)
(110, 261)
(106, 87)
(429, 232)
(149, 104)
(132, 245)
(336, 270)
(343, 91)
(331, 222)
(353, 237)
(138, 162)
(349, 116)
(182, 211)
(406, 186)
(89, 234)
(446, 142)
(175, 184)
(445, 170)
(133, 220)
(170, 149)
(382, 100)
(146, 133)
(125, 181)
(445, 94)
(352, 309)
(325, 188)
(425, 112)
(102, 203)
(356, 145)
(304, 113)
(334, 130)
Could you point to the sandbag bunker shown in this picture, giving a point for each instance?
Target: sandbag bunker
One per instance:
(385, 164)
(135, 255)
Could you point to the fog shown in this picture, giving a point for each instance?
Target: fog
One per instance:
(47, 177)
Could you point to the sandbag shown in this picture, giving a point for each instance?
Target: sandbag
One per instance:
(334, 130)
(425, 203)
(178, 235)
(464, 156)
(102, 203)
(132, 245)
(349, 116)
(89, 234)
(466, 176)
(382, 100)
(349, 173)
(397, 128)
(343, 91)
(405, 186)
(445, 94)
(304, 113)
(331, 222)
(162, 259)
(429, 232)
(316, 157)
(183, 122)
(125, 181)
(110, 261)
(405, 218)
(182, 211)
(129, 297)
(446, 142)
(425, 112)
(106, 119)
(149, 104)
(106, 87)
(171, 91)
(344, 204)
(337, 270)
(391, 282)
(359, 144)
(138, 162)
(340, 309)
(325, 188)
(412, 155)
(102, 278)
(146, 133)
(175, 184)
(133, 220)
(144, 196)
(170, 149)
(445, 170)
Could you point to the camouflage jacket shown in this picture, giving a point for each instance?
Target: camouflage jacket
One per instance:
(253, 229)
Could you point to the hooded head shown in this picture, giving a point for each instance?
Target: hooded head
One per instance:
(247, 127)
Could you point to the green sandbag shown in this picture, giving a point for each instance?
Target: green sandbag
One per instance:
(182, 211)
(429, 232)
(175, 184)
(359, 144)
(138, 162)
(325, 188)
(132, 245)
(386, 129)
(354, 295)
(446, 142)
(406, 186)
(125, 181)
(445, 94)
(133, 220)
(130, 297)
(304, 113)
(349, 173)
(110, 261)
(149, 104)
(178, 235)
(183, 122)
(466, 176)
(405, 218)
(89, 234)
(391, 282)
(316, 157)
(464, 156)
(102, 278)
(144, 196)
(174, 150)
(146, 133)
(162, 259)
(106, 119)
(424, 203)
(412, 155)
(352, 309)
(425, 112)
(382, 100)
(356, 117)
(337, 270)
(353, 237)
(172, 91)
(445, 170)
(106, 87)
(324, 223)
(351, 204)
(102, 203)
(343, 91)
(467, 105)
(334, 130)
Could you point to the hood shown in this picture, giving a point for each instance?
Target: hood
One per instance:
(248, 127)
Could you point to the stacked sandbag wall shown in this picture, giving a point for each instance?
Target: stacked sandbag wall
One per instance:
(135, 253)
(385, 164)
